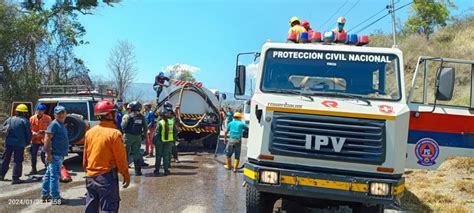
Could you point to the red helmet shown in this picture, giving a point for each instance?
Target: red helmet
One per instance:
(305, 24)
(104, 107)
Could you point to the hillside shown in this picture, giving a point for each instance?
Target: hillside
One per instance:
(451, 187)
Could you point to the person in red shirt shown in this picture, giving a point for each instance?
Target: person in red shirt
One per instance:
(39, 123)
(104, 157)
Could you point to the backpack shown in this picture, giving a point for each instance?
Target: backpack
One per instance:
(135, 125)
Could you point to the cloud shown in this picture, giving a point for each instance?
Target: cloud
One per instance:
(251, 70)
(181, 67)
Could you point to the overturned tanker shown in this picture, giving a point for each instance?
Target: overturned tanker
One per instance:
(197, 111)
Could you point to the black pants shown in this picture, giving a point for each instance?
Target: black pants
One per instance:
(17, 153)
(102, 193)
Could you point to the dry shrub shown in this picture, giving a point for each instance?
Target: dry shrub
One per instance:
(465, 186)
(431, 197)
(465, 164)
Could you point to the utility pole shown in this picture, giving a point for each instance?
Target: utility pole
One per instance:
(394, 30)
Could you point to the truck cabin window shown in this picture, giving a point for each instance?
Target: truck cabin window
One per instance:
(369, 75)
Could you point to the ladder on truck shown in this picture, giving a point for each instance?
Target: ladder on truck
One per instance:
(76, 90)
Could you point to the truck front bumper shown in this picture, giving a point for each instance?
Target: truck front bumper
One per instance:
(323, 185)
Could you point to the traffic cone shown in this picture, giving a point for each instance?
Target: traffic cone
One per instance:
(65, 176)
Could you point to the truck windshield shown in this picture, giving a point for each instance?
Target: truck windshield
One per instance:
(366, 75)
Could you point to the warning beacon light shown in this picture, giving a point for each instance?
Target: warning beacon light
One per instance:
(341, 37)
(329, 36)
(303, 37)
(352, 39)
(292, 37)
(363, 40)
(315, 37)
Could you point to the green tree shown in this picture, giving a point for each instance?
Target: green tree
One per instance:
(186, 75)
(427, 15)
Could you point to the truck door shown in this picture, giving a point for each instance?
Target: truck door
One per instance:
(16, 103)
(440, 129)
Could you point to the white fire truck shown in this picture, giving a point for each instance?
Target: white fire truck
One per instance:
(333, 124)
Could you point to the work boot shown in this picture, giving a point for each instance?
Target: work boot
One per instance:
(228, 164)
(45, 198)
(236, 165)
(2, 178)
(138, 171)
(156, 172)
(167, 172)
(17, 181)
(145, 164)
(33, 172)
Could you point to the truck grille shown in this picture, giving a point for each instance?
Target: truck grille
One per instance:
(364, 138)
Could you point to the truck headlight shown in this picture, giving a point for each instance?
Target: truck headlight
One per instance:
(269, 177)
(379, 189)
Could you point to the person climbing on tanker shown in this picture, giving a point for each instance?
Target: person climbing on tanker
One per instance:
(341, 21)
(160, 80)
(295, 26)
(134, 128)
(306, 26)
(39, 123)
(151, 125)
(233, 140)
(18, 135)
(104, 157)
(163, 139)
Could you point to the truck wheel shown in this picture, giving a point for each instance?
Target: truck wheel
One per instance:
(210, 142)
(259, 202)
(76, 128)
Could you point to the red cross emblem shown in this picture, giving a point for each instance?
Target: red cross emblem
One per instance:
(386, 109)
(330, 104)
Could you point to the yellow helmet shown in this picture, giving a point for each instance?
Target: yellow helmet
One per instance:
(293, 19)
(341, 20)
(21, 108)
(237, 115)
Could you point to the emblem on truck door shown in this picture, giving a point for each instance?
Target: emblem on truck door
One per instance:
(321, 140)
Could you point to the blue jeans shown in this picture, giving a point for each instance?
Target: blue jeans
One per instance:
(51, 177)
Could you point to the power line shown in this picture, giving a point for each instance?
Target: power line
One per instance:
(367, 26)
(347, 12)
(334, 14)
(355, 27)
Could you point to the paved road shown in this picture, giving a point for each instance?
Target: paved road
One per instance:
(198, 184)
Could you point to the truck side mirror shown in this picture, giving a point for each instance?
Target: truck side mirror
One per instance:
(445, 83)
(240, 80)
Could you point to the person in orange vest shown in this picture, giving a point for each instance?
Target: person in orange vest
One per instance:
(295, 26)
(341, 21)
(39, 123)
(305, 24)
(104, 157)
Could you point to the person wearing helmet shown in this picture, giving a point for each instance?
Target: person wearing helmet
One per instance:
(160, 80)
(230, 116)
(39, 123)
(163, 139)
(150, 120)
(306, 26)
(134, 127)
(18, 135)
(341, 21)
(104, 157)
(56, 146)
(233, 140)
(295, 27)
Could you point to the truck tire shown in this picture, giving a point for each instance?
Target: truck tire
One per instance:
(210, 142)
(259, 202)
(76, 128)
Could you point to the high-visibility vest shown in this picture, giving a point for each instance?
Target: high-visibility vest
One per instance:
(170, 132)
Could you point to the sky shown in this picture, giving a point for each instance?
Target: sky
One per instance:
(206, 35)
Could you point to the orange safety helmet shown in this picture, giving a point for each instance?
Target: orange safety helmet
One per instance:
(237, 115)
(341, 20)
